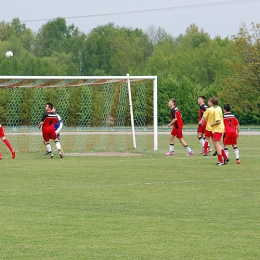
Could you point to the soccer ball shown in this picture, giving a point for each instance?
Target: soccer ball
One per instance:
(9, 54)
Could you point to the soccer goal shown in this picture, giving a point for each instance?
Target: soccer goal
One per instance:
(106, 113)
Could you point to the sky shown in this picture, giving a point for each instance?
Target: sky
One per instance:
(216, 17)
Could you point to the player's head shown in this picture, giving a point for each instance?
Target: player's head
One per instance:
(215, 101)
(210, 103)
(201, 100)
(227, 107)
(53, 109)
(49, 107)
(172, 102)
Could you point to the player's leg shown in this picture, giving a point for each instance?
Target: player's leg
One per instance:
(58, 146)
(46, 138)
(184, 144)
(219, 148)
(200, 137)
(236, 152)
(6, 141)
(171, 149)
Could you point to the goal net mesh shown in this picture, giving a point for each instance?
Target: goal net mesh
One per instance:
(96, 113)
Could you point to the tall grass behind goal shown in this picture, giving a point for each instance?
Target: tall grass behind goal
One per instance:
(98, 113)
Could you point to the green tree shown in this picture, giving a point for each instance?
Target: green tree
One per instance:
(243, 86)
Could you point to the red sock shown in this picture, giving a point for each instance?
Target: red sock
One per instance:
(206, 145)
(223, 154)
(220, 158)
(8, 145)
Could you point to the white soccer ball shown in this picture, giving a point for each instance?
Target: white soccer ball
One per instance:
(9, 54)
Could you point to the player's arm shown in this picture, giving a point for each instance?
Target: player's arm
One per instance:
(215, 123)
(57, 131)
(172, 122)
(238, 129)
(40, 125)
(43, 118)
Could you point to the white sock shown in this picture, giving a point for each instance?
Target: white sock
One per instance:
(48, 147)
(202, 141)
(236, 151)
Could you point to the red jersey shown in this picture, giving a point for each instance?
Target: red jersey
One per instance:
(230, 122)
(49, 120)
(176, 114)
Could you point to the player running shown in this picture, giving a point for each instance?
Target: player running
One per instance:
(232, 129)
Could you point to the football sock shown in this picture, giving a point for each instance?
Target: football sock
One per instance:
(187, 148)
(202, 141)
(57, 143)
(171, 147)
(48, 147)
(206, 145)
(8, 144)
(223, 154)
(236, 151)
(226, 151)
(220, 158)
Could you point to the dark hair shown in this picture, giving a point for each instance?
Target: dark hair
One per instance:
(174, 101)
(227, 107)
(215, 101)
(50, 105)
(203, 97)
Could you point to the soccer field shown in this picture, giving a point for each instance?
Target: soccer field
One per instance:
(132, 207)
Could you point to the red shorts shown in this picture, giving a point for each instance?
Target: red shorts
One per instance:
(217, 136)
(201, 129)
(2, 133)
(48, 133)
(230, 138)
(177, 132)
(208, 134)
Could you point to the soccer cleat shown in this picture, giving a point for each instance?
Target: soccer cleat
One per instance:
(61, 154)
(13, 154)
(1, 157)
(190, 153)
(226, 161)
(202, 152)
(169, 154)
(46, 153)
(209, 150)
(219, 164)
(215, 153)
(238, 161)
(51, 154)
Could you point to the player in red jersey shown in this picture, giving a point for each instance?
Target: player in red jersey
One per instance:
(202, 127)
(232, 128)
(177, 124)
(7, 143)
(49, 119)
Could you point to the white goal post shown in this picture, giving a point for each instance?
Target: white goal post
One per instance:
(99, 112)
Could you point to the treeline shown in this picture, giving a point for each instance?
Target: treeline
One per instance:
(187, 66)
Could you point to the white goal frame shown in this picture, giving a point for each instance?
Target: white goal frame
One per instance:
(129, 80)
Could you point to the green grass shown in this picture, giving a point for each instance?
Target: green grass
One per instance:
(146, 207)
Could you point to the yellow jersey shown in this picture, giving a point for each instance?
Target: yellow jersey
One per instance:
(208, 114)
(218, 116)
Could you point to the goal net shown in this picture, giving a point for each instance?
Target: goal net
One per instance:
(98, 113)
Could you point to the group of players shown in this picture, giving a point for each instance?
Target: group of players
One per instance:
(212, 124)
